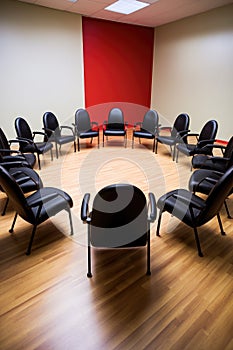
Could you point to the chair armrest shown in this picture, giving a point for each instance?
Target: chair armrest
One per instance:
(25, 140)
(153, 208)
(14, 164)
(39, 133)
(85, 208)
(203, 142)
(181, 132)
(67, 127)
(10, 151)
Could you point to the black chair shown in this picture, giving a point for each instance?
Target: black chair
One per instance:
(215, 162)
(119, 219)
(26, 140)
(115, 125)
(179, 129)
(26, 178)
(205, 139)
(54, 131)
(11, 155)
(84, 128)
(37, 207)
(148, 127)
(203, 180)
(193, 210)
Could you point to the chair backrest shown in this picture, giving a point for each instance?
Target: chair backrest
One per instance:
(216, 197)
(150, 121)
(22, 128)
(15, 194)
(3, 143)
(181, 123)
(229, 148)
(50, 122)
(209, 131)
(115, 119)
(119, 217)
(82, 120)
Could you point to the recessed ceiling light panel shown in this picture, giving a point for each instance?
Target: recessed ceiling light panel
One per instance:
(126, 6)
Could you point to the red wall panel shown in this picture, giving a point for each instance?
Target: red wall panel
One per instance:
(118, 60)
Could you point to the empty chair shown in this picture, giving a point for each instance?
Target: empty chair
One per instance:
(10, 155)
(148, 127)
(84, 128)
(119, 219)
(215, 162)
(26, 139)
(203, 180)
(193, 210)
(37, 207)
(204, 141)
(54, 131)
(26, 178)
(115, 125)
(179, 129)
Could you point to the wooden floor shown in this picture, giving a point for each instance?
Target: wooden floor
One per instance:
(47, 302)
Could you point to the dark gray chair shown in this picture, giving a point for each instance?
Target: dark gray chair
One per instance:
(26, 178)
(203, 180)
(205, 139)
(115, 125)
(193, 210)
(84, 128)
(119, 218)
(54, 131)
(218, 163)
(26, 140)
(37, 207)
(179, 129)
(148, 128)
(11, 155)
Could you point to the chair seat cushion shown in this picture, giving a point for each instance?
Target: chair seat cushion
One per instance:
(51, 207)
(168, 202)
(61, 140)
(167, 140)
(114, 132)
(88, 134)
(143, 134)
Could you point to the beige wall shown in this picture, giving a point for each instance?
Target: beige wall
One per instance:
(41, 64)
(193, 69)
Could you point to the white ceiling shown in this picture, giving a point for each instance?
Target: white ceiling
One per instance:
(158, 13)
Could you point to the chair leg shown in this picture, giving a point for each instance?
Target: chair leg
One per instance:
(28, 252)
(220, 225)
(103, 138)
(89, 274)
(227, 210)
(156, 146)
(177, 155)
(56, 149)
(38, 158)
(148, 272)
(174, 153)
(159, 222)
(51, 153)
(125, 140)
(5, 206)
(74, 146)
(133, 141)
(197, 242)
(71, 222)
(153, 149)
(98, 141)
(13, 223)
(78, 145)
